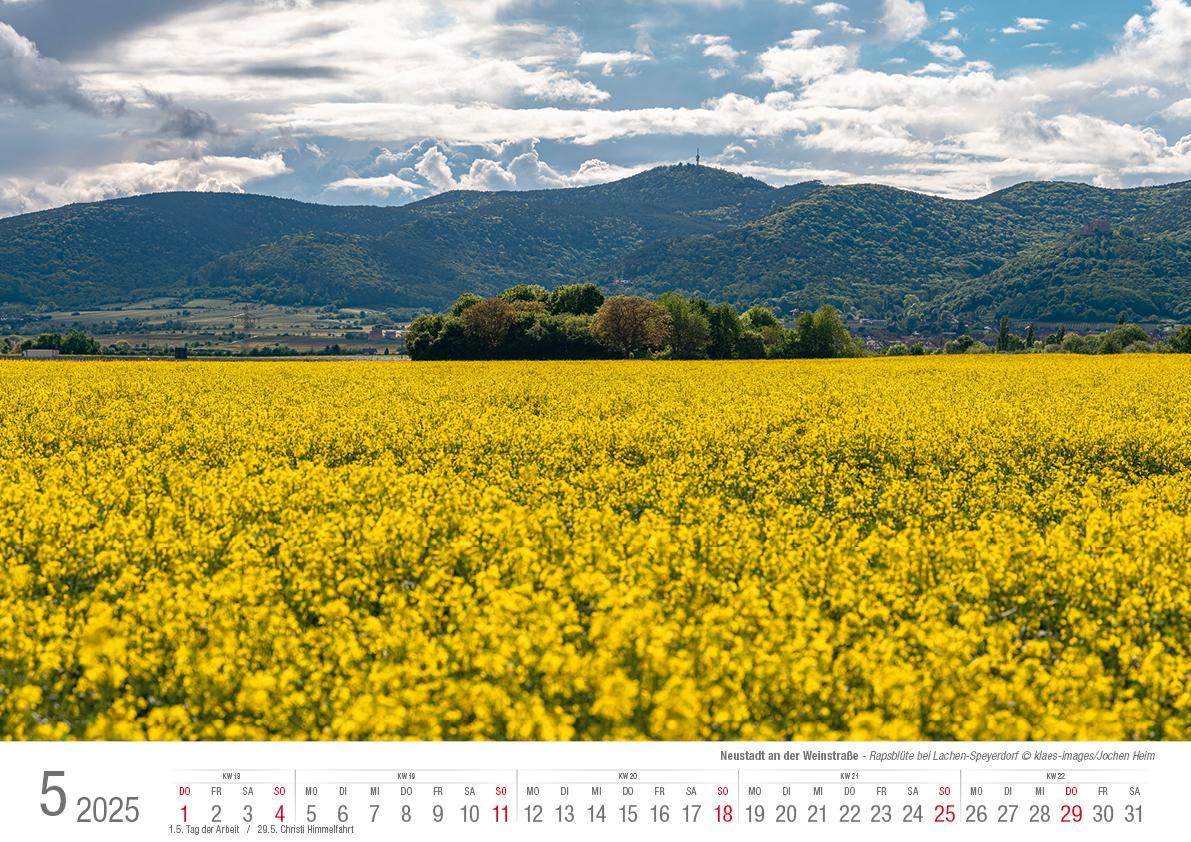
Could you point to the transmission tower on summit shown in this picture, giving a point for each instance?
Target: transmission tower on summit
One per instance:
(697, 156)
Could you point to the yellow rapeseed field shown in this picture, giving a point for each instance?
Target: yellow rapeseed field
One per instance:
(945, 548)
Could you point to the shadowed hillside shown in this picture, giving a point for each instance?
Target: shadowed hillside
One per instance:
(696, 230)
(422, 254)
(864, 248)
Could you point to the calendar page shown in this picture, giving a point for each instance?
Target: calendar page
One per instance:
(678, 790)
(571, 420)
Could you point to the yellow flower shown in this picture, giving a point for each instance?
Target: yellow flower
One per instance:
(924, 548)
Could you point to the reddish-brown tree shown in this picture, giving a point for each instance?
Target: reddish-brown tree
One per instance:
(489, 321)
(631, 324)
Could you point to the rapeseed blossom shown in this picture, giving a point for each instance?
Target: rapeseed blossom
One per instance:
(916, 548)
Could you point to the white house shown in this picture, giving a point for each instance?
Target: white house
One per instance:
(40, 353)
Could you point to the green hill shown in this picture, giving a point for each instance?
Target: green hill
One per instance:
(483, 242)
(1087, 277)
(698, 230)
(864, 248)
(858, 247)
(1061, 207)
(422, 254)
(117, 250)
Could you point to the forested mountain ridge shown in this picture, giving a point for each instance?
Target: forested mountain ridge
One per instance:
(485, 241)
(697, 230)
(864, 248)
(1065, 206)
(421, 254)
(859, 246)
(1088, 276)
(112, 251)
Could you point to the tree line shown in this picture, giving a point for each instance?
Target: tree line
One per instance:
(79, 343)
(1123, 338)
(576, 321)
(74, 343)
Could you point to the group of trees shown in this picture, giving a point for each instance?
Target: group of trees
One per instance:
(1122, 338)
(576, 321)
(76, 342)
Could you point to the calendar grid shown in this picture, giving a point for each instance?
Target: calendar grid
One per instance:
(646, 791)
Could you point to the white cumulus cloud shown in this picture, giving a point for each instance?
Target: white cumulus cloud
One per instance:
(718, 47)
(829, 9)
(797, 59)
(207, 173)
(903, 19)
(1026, 25)
(436, 169)
(380, 186)
(608, 62)
(465, 86)
(946, 52)
(1180, 110)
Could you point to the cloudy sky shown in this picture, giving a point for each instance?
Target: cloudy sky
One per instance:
(387, 101)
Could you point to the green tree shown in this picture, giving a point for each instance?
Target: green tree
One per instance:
(1073, 343)
(48, 341)
(630, 324)
(577, 299)
(959, 345)
(77, 342)
(440, 338)
(1180, 341)
(823, 335)
(724, 325)
(1003, 335)
(750, 345)
(420, 335)
(690, 331)
(776, 340)
(1057, 337)
(757, 318)
(1030, 336)
(463, 302)
(912, 310)
(1120, 338)
(454, 342)
(804, 326)
(524, 292)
